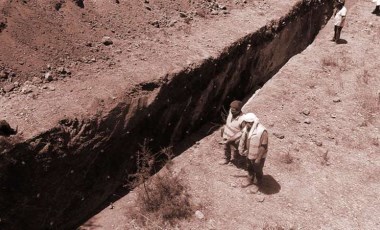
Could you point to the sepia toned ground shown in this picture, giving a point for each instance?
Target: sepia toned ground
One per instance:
(322, 110)
(40, 40)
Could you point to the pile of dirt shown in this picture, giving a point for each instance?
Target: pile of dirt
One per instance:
(40, 37)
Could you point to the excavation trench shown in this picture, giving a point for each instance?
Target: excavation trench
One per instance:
(58, 178)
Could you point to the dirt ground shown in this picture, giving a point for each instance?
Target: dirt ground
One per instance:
(325, 103)
(323, 113)
(51, 68)
(41, 36)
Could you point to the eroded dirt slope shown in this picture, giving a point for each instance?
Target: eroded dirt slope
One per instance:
(39, 36)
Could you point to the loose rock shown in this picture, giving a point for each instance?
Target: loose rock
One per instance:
(306, 112)
(199, 215)
(182, 15)
(307, 121)
(336, 100)
(48, 76)
(279, 135)
(107, 41)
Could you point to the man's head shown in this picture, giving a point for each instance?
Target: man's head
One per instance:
(235, 107)
(339, 3)
(250, 119)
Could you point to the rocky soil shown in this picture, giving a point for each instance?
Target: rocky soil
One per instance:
(66, 59)
(322, 111)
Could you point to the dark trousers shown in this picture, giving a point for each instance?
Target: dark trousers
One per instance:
(376, 10)
(337, 30)
(231, 147)
(255, 170)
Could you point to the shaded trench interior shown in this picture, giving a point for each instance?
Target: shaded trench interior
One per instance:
(61, 177)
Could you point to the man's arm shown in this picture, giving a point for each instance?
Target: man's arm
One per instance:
(243, 144)
(235, 137)
(263, 146)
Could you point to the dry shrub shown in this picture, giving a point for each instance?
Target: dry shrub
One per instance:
(364, 77)
(370, 107)
(274, 227)
(161, 200)
(375, 141)
(325, 158)
(287, 158)
(166, 199)
(329, 62)
(346, 63)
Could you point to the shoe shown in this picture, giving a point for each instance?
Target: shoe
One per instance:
(224, 162)
(247, 183)
(253, 189)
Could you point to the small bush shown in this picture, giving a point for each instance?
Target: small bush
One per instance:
(165, 198)
(161, 200)
(287, 158)
(329, 62)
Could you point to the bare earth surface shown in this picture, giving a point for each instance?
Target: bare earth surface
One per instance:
(324, 172)
(101, 74)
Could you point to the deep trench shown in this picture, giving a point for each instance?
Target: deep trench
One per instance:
(61, 177)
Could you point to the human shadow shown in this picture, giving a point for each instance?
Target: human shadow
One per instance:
(269, 185)
(341, 41)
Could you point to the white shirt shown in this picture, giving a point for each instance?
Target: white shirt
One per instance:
(339, 20)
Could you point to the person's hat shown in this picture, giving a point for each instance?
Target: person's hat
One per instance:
(249, 117)
(236, 104)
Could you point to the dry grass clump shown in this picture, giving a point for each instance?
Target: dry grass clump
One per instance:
(329, 62)
(165, 200)
(162, 200)
(286, 157)
(375, 141)
(364, 77)
(325, 158)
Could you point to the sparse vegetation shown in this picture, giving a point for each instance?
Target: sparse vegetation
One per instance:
(325, 158)
(329, 62)
(287, 158)
(375, 141)
(364, 78)
(162, 200)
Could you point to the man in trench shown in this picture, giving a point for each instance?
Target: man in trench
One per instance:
(231, 132)
(254, 146)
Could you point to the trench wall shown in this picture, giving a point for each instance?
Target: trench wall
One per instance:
(58, 178)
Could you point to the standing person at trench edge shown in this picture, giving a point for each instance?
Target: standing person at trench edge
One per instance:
(340, 13)
(231, 132)
(254, 145)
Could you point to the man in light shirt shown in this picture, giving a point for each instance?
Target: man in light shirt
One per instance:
(339, 19)
(254, 146)
(231, 132)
